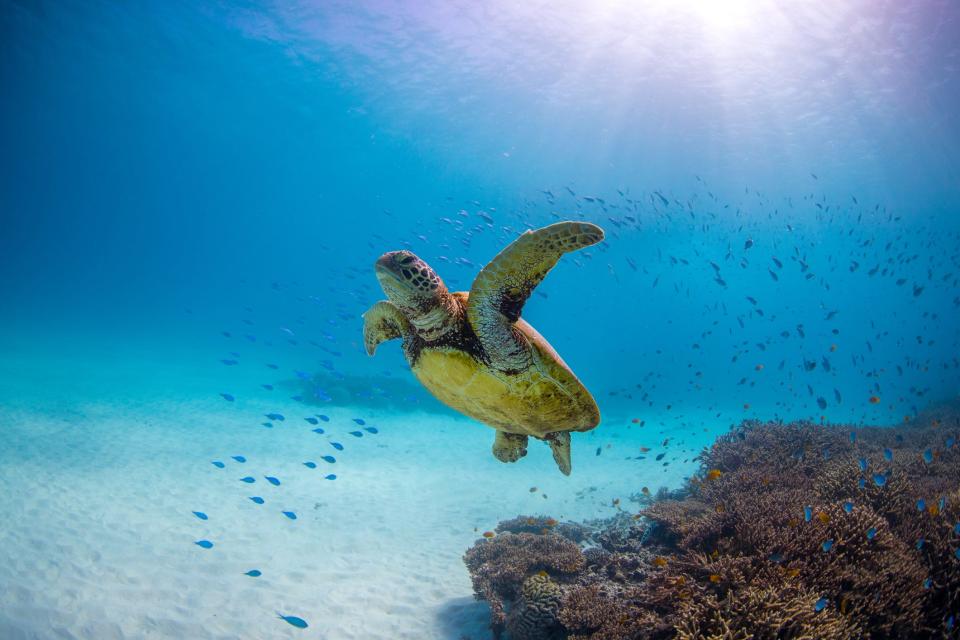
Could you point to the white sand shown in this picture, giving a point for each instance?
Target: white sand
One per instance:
(98, 481)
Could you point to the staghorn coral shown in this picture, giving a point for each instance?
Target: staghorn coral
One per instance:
(790, 531)
(762, 612)
(541, 524)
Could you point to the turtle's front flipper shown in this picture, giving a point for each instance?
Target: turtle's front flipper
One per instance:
(509, 447)
(559, 442)
(382, 322)
(503, 286)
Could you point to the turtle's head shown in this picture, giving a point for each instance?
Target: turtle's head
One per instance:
(409, 282)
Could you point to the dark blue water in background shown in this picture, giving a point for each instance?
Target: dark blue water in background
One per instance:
(780, 188)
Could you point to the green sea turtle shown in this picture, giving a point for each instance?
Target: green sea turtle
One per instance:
(474, 352)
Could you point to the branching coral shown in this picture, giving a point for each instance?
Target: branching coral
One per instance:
(789, 531)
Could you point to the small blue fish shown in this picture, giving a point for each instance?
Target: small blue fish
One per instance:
(268, 425)
(253, 573)
(228, 397)
(921, 504)
(239, 458)
(329, 459)
(299, 623)
(277, 417)
(807, 514)
(297, 398)
(229, 362)
(863, 464)
(826, 454)
(337, 446)
(927, 583)
(332, 476)
(204, 544)
(827, 544)
(201, 515)
(853, 437)
(776, 557)
(871, 533)
(920, 542)
(360, 421)
(218, 464)
(957, 553)
(888, 454)
(848, 507)
(248, 479)
(310, 465)
(357, 434)
(268, 387)
(949, 623)
(928, 456)
(862, 483)
(950, 443)
(371, 430)
(273, 366)
(879, 479)
(956, 529)
(318, 430)
(272, 481)
(256, 499)
(942, 503)
(312, 420)
(820, 605)
(323, 417)
(290, 514)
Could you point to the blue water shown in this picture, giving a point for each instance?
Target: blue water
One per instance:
(184, 183)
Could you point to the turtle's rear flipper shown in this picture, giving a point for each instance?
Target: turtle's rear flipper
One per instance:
(503, 286)
(559, 442)
(382, 322)
(509, 447)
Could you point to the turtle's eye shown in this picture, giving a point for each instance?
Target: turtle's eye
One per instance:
(407, 260)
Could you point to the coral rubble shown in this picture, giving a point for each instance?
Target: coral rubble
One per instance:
(789, 531)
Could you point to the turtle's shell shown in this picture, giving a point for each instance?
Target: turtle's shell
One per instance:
(544, 398)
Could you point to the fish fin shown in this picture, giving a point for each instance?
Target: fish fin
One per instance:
(559, 442)
(509, 447)
(503, 286)
(383, 321)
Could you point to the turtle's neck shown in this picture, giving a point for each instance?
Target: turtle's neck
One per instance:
(437, 321)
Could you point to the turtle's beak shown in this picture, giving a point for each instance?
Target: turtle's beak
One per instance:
(389, 270)
(391, 263)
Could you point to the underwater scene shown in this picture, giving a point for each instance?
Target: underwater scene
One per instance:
(448, 320)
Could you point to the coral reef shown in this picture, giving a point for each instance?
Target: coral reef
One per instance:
(789, 531)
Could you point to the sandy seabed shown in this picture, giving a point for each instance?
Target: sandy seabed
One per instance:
(99, 477)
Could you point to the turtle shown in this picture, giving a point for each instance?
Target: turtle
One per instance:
(474, 352)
